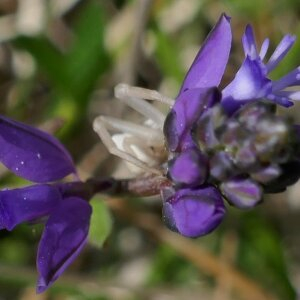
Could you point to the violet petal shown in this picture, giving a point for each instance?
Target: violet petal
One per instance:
(283, 101)
(264, 48)
(194, 212)
(292, 78)
(249, 44)
(171, 132)
(189, 168)
(186, 111)
(290, 95)
(27, 204)
(209, 65)
(250, 83)
(221, 165)
(242, 193)
(191, 104)
(31, 153)
(64, 236)
(281, 51)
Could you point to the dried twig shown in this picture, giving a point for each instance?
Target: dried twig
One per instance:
(228, 253)
(205, 261)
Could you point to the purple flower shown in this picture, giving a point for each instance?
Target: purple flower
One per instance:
(252, 82)
(193, 212)
(198, 91)
(197, 211)
(194, 209)
(228, 145)
(39, 157)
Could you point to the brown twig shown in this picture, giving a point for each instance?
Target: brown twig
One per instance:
(205, 261)
(228, 253)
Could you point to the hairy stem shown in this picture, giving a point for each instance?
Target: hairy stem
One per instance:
(149, 185)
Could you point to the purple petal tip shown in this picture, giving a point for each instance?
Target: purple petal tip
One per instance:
(64, 237)
(201, 74)
(228, 18)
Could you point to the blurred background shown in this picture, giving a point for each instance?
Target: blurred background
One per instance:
(59, 62)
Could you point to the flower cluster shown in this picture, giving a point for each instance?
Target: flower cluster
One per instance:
(228, 144)
(40, 158)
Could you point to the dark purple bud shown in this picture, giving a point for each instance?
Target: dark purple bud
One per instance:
(245, 157)
(266, 174)
(254, 141)
(189, 168)
(194, 212)
(171, 131)
(290, 174)
(221, 166)
(63, 238)
(250, 115)
(27, 204)
(32, 153)
(242, 193)
(232, 134)
(272, 139)
(205, 131)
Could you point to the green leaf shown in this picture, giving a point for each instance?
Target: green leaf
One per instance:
(169, 267)
(101, 222)
(87, 59)
(49, 60)
(73, 74)
(14, 252)
(167, 54)
(250, 9)
(261, 255)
